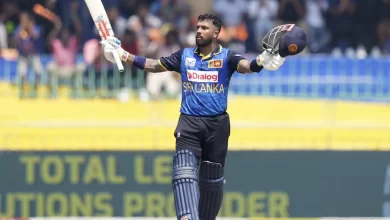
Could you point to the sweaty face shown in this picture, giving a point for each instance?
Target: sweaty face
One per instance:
(205, 33)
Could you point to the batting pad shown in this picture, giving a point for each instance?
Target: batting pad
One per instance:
(211, 189)
(185, 185)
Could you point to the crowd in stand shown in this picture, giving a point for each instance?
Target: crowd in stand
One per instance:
(155, 28)
(329, 24)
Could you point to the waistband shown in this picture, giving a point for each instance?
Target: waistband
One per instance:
(206, 116)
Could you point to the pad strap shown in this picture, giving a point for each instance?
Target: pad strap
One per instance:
(184, 173)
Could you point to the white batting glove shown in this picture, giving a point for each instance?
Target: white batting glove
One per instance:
(270, 61)
(277, 61)
(264, 59)
(111, 46)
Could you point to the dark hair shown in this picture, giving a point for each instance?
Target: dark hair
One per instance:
(213, 18)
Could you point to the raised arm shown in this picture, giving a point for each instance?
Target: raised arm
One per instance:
(53, 33)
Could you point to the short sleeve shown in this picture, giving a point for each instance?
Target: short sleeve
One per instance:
(233, 60)
(172, 62)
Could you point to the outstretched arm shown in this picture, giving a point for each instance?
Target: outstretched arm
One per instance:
(264, 60)
(244, 66)
(151, 65)
(169, 63)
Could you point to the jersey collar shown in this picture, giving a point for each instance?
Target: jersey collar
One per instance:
(216, 51)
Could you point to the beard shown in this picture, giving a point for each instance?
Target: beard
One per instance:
(203, 42)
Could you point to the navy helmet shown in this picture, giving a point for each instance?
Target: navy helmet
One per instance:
(287, 39)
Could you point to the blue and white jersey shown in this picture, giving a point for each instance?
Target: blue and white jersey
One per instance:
(205, 79)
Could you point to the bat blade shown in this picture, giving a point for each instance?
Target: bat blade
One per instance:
(100, 18)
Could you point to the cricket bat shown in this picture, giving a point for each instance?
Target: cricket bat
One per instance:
(99, 16)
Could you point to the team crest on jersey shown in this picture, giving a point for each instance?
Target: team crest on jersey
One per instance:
(215, 64)
(190, 62)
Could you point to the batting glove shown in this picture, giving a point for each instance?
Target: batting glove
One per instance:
(270, 61)
(276, 62)
(264, 59)
(111, 46)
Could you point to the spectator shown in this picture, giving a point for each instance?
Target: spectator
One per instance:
(143, 20)
(168, 80)
(263, 14)
(318, 34)
(95, 61)
(367, 17)
(92, 52)
(129, 41)
(142, 23)
(3, 35)
(46, 24)
(131, 7)
(118, 22)
(231, 12)
(65, 49)
(28, 43)
(238, 35)
(341, 23)
(27, 5)
(3, 30)
(9, 19)
(165, 10)
(291, 11)
(182, 21)
(384, 27)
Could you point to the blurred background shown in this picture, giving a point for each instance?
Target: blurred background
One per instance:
(78, 138)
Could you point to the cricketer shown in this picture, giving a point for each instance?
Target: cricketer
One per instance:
(203, 127)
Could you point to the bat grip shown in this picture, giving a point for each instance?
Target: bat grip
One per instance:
(118, 61)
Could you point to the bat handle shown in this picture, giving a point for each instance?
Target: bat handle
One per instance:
(118, 61)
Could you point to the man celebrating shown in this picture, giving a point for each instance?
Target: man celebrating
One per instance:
(203, 128)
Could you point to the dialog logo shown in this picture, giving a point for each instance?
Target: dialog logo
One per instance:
(202, 76)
